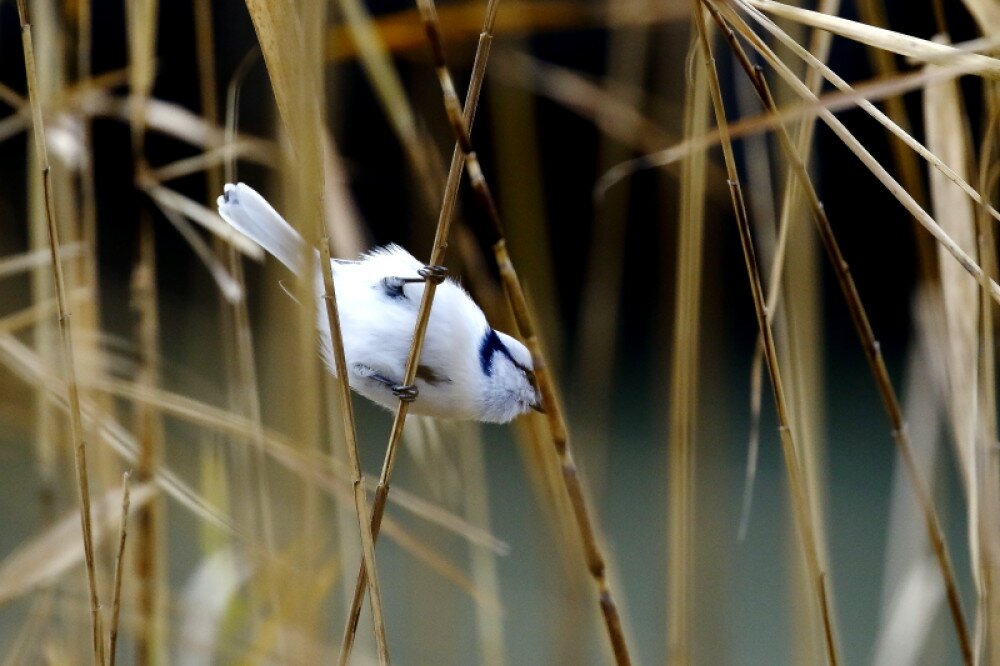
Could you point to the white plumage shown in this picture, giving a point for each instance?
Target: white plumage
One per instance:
(466, 371)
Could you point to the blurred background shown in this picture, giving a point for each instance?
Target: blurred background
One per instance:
(243, 545)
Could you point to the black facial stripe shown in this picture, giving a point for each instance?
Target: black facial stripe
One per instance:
(491, 345)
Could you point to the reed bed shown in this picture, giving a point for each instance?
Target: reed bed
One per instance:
(183, 482)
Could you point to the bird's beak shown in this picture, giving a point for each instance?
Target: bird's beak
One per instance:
(537, 406)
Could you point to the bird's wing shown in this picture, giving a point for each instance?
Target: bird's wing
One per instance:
(254, 217)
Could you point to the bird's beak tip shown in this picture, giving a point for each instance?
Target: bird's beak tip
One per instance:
(537, 406)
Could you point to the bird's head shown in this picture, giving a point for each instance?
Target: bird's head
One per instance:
(508, 378)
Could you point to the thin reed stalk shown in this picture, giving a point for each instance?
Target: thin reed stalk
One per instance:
(526, 325)
(437, 258)
(799, 500)
(142, 16)
(149, 433)
(683, 414)
(116, 594)
(66, 334)
(350, 434)
(869, 343)
(987, 456)
(852, 143)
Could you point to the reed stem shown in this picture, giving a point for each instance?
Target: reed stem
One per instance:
(800, 500)
(869, 344)
(72, 387)
(438, 253)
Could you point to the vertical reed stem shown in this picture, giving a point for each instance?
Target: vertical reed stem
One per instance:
(799, 500)
(350, 434)
(423, 316)
(869, 344)
(72, 388)
(116, 595)
(526, 326)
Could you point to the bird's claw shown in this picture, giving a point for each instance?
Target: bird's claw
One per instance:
(405, 392)
(433, 274)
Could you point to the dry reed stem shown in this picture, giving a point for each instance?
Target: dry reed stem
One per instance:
(899, 43)
(873, 12)
(870, 345)
(41, 561)
(799, 500)
(851, 142)
(350, 434)
(76, 418)
(29, 367)
(988, 458)
(526, 326)
(423, 316)
(149, 433)
(116, 595)
(326, 473)
(201, 214)
(891, 126)
(142, 18)
(872, 90)
(683, 414)
(795, 265)
(376, 59)
(15, 264)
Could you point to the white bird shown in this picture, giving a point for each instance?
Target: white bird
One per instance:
(467, 369)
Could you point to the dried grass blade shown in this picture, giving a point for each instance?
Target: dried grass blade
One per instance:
(26, 364)
(866, 158)
(902, 44)
(13, 265)
(988, 457)
(873, 90)
(196, 212)
(41, 560)
(350, 434)
(801, 506)
(944, 122)
(526, 325)
(75, 416)
(871, 348)
(116, 595)
(683, 414)
(875, 113)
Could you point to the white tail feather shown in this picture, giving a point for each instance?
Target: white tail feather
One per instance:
(254, 217)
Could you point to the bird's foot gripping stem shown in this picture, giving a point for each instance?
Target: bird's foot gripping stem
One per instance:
(433, 274)
(405, 392)
(429, 273)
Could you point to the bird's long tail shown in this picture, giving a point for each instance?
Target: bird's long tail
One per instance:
(254, 217)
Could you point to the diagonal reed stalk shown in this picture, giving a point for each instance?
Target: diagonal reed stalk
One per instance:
(850, 141)
(799, 500)
(73, 389)
(526, 326)
(116, 594)
(866, 335)
(350, 434)
(423, 316)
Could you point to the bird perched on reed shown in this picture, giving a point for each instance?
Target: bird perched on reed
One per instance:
(467, 369)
